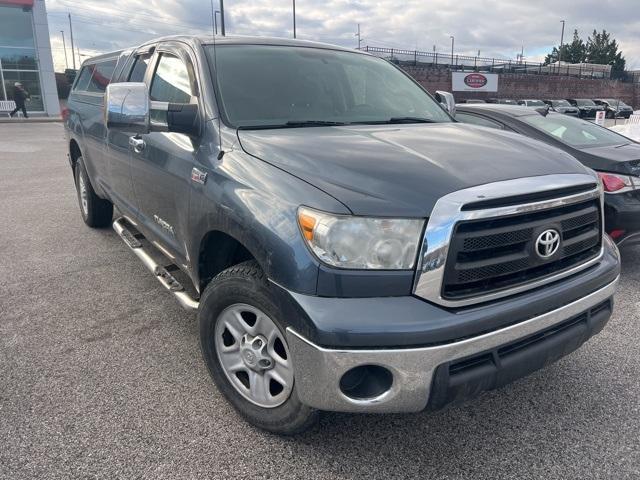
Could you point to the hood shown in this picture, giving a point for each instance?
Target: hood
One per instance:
(622, 159)
(402, 170)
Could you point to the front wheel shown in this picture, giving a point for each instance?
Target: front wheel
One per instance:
(244, 345)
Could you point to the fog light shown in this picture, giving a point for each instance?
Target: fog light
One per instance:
(366, 382)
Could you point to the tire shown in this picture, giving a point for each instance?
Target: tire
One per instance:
(96, 212)
(244, 286)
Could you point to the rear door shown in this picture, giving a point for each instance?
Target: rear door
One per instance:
(161, 170)
(118, 155)
(87, 98)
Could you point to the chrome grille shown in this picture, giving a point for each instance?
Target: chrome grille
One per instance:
(499, 253)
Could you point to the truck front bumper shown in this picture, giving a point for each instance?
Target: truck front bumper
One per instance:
(411, 379)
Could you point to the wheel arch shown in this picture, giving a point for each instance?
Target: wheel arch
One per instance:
(217, 251)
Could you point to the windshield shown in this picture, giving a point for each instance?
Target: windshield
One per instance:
(614, 103)
(264, 85)
(574, 132)
(560, 103)
(535, 103)
(585, 102)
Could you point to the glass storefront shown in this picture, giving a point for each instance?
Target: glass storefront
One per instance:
(18, 59)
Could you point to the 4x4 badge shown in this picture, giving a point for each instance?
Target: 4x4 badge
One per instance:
(198, 176)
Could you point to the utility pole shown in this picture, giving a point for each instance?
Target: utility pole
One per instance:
(64, 47)
(73, 52)
(213, 19)
(294, 18)
(222, 17)
(453, 39)
(359, 37)
(561, 42)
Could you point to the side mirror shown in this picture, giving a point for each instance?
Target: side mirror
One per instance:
(447, 100)
(127, 108)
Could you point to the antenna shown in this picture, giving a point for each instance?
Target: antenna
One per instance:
(215, 82)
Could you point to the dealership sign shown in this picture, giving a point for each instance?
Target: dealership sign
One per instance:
(474, 82)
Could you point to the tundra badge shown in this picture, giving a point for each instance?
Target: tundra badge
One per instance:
(198, 176)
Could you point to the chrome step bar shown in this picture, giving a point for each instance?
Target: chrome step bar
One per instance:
(160, 272)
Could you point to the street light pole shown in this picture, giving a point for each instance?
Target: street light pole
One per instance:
(64, 47)
(73, 52)
(453, 39)
(222, 17)
(294, 18)
(561, 42)
(359, 38)
(215, 21)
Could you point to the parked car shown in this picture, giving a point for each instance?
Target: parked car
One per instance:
(473, 100)
(532, 103)
(502, 101)
(587, 108)
(563, 106)
(345, 248)
(614, 157)
(615, 108)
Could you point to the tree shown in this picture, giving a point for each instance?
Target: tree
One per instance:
(574, 52)
(603, 50)
(600, 48)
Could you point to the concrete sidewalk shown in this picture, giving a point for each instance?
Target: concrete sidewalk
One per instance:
(6, 119)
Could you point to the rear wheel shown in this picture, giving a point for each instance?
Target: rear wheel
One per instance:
(242, 335)
(96, 212)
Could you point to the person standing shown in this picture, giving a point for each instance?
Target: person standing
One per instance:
(20, 96)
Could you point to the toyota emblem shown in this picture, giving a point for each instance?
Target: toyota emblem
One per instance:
(548, 243)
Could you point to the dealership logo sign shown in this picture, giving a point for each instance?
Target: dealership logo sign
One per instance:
(475, 80)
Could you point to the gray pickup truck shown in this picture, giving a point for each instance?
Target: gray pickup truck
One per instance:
(347, 245)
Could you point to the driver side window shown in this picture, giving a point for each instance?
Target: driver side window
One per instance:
(170, 82)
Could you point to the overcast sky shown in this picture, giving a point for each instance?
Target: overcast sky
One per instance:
(498, 28)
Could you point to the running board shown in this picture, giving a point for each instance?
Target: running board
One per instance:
(161, 273)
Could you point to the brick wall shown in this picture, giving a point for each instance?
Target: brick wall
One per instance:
(532, 86)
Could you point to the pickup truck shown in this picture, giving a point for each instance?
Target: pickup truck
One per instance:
(347, 245)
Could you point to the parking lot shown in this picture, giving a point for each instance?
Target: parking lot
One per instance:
(101, 374)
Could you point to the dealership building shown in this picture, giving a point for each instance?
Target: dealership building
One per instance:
(25, 55)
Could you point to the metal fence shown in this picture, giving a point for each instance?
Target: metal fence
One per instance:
(497, 65)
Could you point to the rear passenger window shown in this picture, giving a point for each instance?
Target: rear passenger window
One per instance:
(170, 82)
(83, 79)
(102, 73)
(94, 77)
(139, 68)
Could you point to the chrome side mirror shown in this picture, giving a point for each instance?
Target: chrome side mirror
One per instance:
(447, 100)
(126, 107)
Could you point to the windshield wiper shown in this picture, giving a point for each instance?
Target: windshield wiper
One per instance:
(313, 123)
(393, 120)
(294, 124)
(411, 120)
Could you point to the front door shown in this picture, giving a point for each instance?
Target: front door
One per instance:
(162, 162)
(119, 153)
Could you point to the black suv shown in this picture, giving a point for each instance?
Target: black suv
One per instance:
(345, 243)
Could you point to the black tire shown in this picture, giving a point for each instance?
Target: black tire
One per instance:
(246, 283)
(97, 212)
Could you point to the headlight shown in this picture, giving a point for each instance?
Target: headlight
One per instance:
(616, 183)
(346, 241)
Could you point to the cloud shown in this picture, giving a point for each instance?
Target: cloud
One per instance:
(497, 28)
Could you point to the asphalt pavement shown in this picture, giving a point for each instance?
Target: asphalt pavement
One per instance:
(101, 374)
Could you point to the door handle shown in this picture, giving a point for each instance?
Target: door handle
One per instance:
(137, 143)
